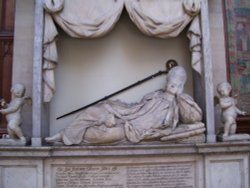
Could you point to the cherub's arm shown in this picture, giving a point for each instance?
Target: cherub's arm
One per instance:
(3, 103)
(227, 104)
(11, 108)
(240, 112)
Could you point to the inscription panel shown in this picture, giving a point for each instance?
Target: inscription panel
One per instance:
(171, 175)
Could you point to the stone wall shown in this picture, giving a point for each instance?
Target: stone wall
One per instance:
(158, 166)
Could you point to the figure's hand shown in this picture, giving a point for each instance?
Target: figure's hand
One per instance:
(2, 103)
(243, 113)
(109, 125)
(110, 121)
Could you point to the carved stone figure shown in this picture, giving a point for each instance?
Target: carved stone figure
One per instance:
(229, 113)
(12, 111)
(164, 115)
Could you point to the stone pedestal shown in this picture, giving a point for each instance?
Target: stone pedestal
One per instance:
(12, 142)
(234, 137)
(158, 166)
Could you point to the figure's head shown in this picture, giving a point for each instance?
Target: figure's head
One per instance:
(176, 80)
(224, 89)
(18, 90)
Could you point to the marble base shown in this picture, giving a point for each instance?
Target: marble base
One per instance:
(201, 138)
(21, 173)
(124, 172)
(12, 142)
(223, 164)
(211, 138)
(234, 137)
(36, 142)
(229, 171)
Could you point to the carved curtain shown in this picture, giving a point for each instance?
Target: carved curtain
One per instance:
(95, 18)
(7, 9)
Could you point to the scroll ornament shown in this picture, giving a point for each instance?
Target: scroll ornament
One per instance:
(95, 18)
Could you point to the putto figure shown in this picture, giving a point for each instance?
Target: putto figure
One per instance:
(228, 107)
(165, 115)
(12, 111)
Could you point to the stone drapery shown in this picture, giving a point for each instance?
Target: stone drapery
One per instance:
(95, 18)
(165, 19)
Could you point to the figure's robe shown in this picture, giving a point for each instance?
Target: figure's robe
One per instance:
(154, 111)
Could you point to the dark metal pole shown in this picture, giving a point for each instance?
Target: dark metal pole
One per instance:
(170, 64)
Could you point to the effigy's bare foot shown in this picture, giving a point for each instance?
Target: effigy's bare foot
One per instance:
(51, 139)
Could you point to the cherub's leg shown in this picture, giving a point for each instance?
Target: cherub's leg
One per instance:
(11, 133)
(19, 133)
(16, 130)
(226, 128)
(56, 137)
(233, 128)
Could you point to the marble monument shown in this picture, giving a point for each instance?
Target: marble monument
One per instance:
(167, 115)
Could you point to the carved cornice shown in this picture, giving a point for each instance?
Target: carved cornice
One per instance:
(126, 150)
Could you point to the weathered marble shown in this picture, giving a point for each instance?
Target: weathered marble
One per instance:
(12, 111)
(195, 165)
(37, 91)
(21, 173)
(227, 170)
(229, 112)
(126, 150)
(12, 142)
(165, 115)
(207, 76)
(233, 137)
(125, 172)
(91, 19)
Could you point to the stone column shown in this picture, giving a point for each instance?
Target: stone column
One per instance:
(207, 75)
(37, 74)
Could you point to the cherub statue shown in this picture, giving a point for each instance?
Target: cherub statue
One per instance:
(229, 109)
(12, 111)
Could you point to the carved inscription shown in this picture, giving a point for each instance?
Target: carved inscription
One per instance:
(88, 176)
(161, 176)
(170, 175)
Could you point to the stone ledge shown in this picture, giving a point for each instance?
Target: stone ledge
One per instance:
(128, 150)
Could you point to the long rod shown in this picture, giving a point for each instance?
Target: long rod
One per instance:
(170, 63)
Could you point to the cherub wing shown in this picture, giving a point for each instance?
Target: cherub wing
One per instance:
(236, 96)
(28, 100)
(190, 112)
